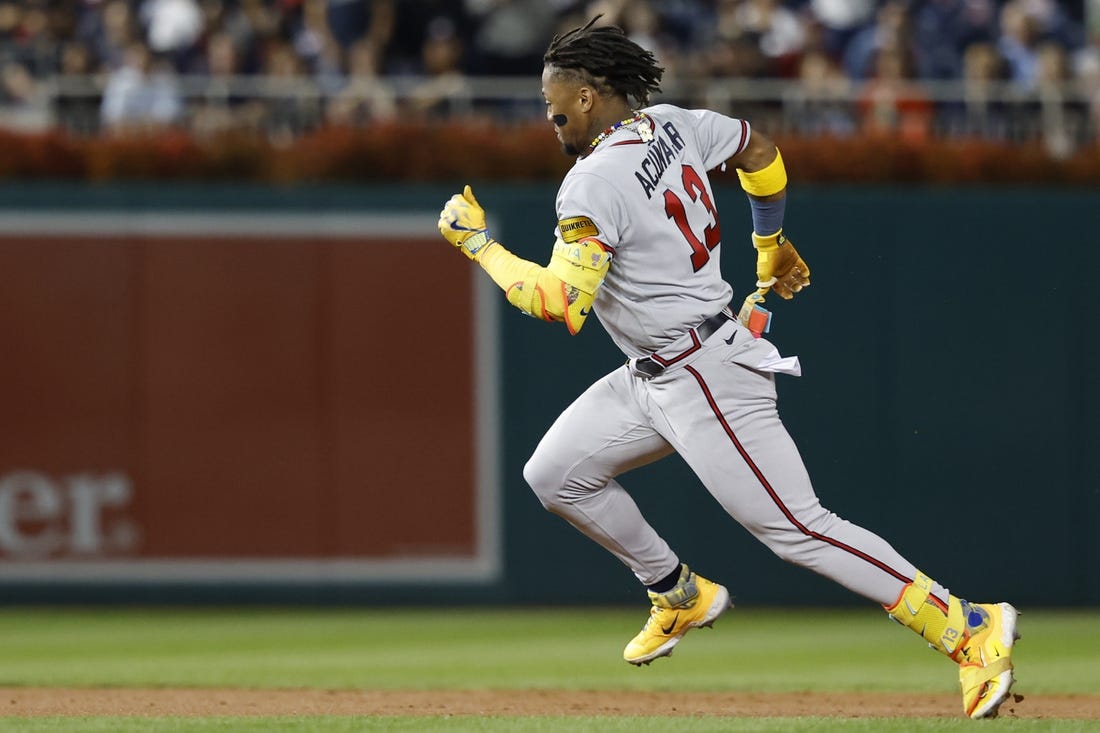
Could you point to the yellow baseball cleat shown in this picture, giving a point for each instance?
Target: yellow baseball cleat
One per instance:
(694, 602)
(985, 658)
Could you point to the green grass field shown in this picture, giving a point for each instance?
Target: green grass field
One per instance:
(476, 649)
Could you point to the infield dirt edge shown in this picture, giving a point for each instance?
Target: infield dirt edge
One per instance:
(206, 702)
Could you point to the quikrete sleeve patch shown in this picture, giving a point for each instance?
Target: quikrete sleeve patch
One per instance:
(577, 228)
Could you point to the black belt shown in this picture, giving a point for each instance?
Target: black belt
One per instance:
(648, 368)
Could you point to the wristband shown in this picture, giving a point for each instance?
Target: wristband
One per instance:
(767, 216)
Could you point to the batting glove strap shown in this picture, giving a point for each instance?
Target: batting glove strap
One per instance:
(475, 243)
(767, 243)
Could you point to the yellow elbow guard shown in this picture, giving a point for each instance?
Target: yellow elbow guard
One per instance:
(564, 290)
(581, 264)
(769, 180)
(581, 267)
(530, 294)
(544, 296)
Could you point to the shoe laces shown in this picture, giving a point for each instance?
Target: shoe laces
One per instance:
(654, 612)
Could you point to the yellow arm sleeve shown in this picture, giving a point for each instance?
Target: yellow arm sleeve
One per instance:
(768, 181)
(562, 291)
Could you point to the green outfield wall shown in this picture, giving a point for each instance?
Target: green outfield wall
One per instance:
(949, 400)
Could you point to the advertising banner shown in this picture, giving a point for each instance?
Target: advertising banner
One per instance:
(204, 396)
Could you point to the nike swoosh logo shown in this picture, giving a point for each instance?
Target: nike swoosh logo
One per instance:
(729, 341)
(585, 311)
(910, 606)
(672, 625)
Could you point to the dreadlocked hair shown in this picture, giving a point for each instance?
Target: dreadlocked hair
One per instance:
(606, 57)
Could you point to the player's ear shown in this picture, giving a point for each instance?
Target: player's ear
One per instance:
(586, 98)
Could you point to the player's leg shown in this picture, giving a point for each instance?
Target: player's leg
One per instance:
(602, 434)
(745, 457)
(722, 419)
(979, 637)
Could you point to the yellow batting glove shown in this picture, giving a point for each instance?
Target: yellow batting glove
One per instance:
(779, 266)
(462, 223)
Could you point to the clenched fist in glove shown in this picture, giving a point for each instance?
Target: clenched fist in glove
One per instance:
(462, 223)
(779, 266)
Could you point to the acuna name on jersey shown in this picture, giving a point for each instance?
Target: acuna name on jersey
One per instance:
(659, 154)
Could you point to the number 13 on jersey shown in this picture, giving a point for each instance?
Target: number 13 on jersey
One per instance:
(674, 209)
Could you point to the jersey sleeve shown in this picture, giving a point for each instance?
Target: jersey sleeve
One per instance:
(720, 137)
(588, 206)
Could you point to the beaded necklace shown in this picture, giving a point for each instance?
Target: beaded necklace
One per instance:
(645, 130)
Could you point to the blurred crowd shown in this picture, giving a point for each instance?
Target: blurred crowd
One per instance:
(286, 66)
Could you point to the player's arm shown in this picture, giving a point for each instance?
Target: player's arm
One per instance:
(561, 291)
(764, 179)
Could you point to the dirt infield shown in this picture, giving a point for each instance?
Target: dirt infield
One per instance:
(34, 701)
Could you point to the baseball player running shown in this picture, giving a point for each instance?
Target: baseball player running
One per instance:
(638, 244)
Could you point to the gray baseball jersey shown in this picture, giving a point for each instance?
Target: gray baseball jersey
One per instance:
(652, 204)
(714, 402)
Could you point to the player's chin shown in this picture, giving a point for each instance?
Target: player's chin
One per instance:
(569, 149)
